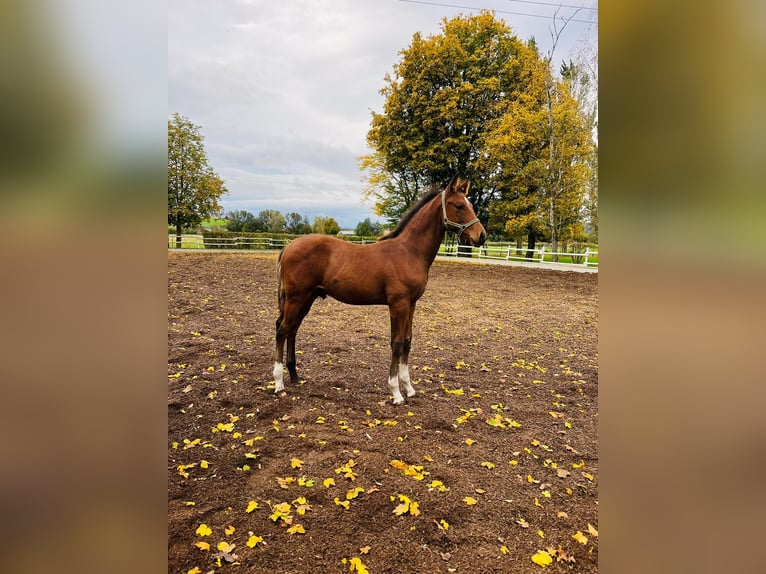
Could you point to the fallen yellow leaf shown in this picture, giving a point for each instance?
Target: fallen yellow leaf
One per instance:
(470, 501)
(542, 558)
(296, 529)
(592, 530)
(355, 564)
(580, 537)
(204, 530)
(344, 503)
(224, 546)
(296, 463)
(202, 545)
(253, 540)
(229, 530)
(328, 482)
(351, 494)
(252, 505)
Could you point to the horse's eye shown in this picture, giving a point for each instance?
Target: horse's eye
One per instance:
(459, 207)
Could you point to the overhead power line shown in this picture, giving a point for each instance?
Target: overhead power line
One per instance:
(555, 4)
(498, 11)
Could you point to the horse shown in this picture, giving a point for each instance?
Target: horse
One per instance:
(392, 271)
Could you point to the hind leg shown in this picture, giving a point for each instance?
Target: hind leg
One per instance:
(294, 311)
(404, 371)
(399, 313)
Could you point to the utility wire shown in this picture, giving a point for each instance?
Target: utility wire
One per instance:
(554, 4)
(498, 11)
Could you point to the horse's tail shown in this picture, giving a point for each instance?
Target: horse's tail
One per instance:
(280, 289)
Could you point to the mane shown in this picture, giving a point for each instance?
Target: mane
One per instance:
(410, 213)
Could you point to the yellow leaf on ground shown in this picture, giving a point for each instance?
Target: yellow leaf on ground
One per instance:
(580, 537)
(328, 482)
(344, 503)
(488, 465)
(253, 540)
(202, 545)
(469, 441)
(194, 570)
(355, 564)
(203, 464)
(542, 558)
(470, 501)
(252, 505)
(296, 529)
(592, 530)
(229, 530)
(504, 549)
(365, 550)
(204, 530)
(351, 494)
(224, 546)
(296, 463)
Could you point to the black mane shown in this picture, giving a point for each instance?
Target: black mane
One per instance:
(407, 217)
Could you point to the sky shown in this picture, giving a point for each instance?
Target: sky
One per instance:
(283, 91)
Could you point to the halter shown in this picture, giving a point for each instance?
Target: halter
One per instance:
(460, 227)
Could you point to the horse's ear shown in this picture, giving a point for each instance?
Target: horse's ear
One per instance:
(452, 186)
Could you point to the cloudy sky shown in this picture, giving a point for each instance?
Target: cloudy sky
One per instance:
(283, 91)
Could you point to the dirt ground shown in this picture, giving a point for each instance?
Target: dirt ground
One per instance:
(491, 467)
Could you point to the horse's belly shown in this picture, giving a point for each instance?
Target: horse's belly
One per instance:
(356, 294)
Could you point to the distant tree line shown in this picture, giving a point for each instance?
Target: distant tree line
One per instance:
(272, 221)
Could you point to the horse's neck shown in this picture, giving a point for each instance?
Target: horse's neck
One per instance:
(424, 233)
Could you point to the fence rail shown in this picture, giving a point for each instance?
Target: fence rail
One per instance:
(540, 255)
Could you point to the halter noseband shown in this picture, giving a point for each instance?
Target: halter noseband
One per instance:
(459, 227)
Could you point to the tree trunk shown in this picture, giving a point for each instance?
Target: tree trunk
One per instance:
(178, 235)
(530, 245)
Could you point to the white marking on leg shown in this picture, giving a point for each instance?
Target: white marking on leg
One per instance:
(278, 378)
(404, 377)
(393, 384)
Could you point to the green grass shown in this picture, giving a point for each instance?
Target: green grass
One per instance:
(214, 224)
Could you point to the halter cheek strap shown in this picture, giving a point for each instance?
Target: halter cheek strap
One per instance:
(457, 228)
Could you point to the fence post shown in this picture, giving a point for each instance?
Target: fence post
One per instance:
(587, 250)
(542, 253)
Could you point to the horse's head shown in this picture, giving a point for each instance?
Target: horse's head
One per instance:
(459, 216)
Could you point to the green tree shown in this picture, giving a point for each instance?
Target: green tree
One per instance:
(297, 225)
(239, 220)
(444, 94)
(368, 228)
(326, 225)
(193, 187)
(271, 220)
